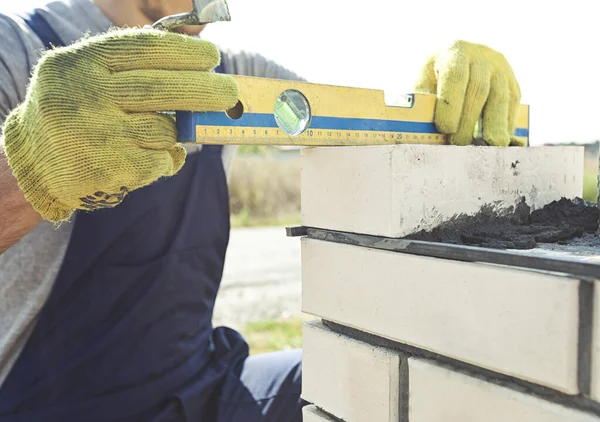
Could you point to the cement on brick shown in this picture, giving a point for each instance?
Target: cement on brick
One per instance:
(348, 378)
(595, 349)
(584, 264)
(311, 413)
(439, 394)
(399, 190)
(586, 315)
(559, 222)
(516, 322)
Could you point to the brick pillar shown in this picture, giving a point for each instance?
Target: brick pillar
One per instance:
(400, 337)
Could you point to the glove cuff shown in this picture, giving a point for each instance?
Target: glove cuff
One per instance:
(26, 163)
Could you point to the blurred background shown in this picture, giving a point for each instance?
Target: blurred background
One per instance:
(552, 46)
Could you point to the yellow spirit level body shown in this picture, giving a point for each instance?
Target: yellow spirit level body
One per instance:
(293, 113)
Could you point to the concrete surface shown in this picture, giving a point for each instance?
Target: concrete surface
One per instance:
(399, 190)
(348, 378)
(595, 370)
(310, 413)
(517, 322)
(441, 395)
(261, 278)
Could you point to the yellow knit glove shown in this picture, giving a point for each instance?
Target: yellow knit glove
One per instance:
(88, 131)
(469, 79)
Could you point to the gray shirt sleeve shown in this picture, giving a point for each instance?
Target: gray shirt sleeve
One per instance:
(28, 268)
(19, 51)
(252, 64)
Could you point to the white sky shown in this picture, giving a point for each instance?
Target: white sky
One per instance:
(553, 47)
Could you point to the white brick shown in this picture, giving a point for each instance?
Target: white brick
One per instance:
(310, 413)
(517, 322)
(398, 190)
(352, 380)
(595, 376)
(441, 395)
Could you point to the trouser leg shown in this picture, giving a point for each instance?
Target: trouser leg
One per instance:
(266, 388)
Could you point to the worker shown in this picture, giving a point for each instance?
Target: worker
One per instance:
(113, 236)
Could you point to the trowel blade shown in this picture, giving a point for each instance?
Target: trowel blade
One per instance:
(203, 12)
(209, 11)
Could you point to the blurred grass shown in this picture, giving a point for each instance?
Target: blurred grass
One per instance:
(246, 219)
(273, 335)
(590, 178)
(265, 189)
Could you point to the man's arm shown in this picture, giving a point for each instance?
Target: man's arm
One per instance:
(248, 63)
(17, 217)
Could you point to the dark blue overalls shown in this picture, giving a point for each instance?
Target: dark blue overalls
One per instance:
(126, 333)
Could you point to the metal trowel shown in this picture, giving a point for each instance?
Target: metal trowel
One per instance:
(202, 13)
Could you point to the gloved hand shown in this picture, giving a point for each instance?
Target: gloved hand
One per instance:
(88, 131)
(469, 79)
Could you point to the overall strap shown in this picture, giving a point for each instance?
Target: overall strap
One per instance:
(220, 68)
(40, 27)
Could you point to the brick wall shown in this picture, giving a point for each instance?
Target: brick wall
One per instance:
(399, 337)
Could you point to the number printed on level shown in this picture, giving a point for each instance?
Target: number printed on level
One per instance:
(237, 135)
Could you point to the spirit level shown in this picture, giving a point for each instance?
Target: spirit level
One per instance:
(293, 113)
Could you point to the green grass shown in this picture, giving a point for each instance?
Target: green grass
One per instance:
(264, 191)
(273, 335)
(590, 185)
(245, 219)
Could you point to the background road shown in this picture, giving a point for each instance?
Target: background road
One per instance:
(262, 277)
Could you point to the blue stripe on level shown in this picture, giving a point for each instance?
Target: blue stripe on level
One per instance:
(187, 122)
(522, 132)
